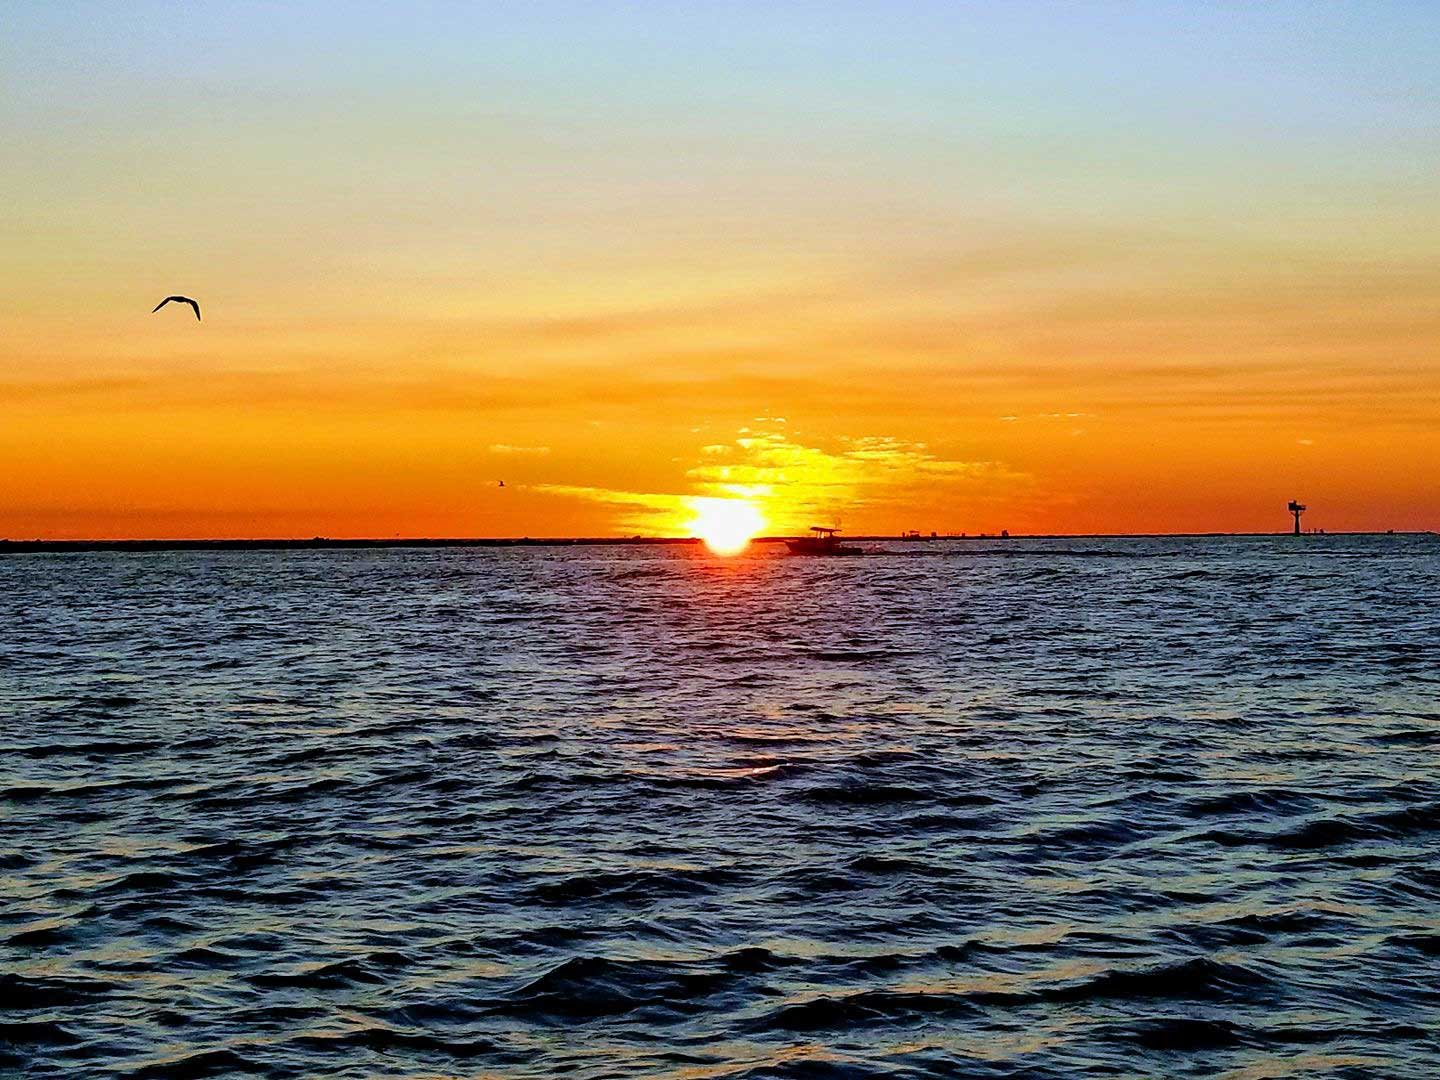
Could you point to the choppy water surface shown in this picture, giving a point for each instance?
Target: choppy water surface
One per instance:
(1119, 808)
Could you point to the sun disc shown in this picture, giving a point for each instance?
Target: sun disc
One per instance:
(727, 525)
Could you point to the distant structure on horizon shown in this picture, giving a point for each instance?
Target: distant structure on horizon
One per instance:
(1297, 508)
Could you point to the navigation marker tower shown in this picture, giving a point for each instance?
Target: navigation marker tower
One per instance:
(1297, 508)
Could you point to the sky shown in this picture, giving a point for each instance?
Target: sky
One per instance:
(1044, 267)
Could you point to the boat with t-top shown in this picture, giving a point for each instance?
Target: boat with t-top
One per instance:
(824, 542)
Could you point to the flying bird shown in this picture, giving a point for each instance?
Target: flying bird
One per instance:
(178, 300)
(502, 483)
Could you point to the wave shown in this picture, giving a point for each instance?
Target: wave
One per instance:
(147, 881)
(865, 794)
(36, 1033)
(630, 886)
(594, 986)
(1197, 979)
(1266, 802)
(82, 792)
(104, 748)
(385, 1040)
(194, 1066)
(1178, 1033)
(42, 935)
(864, 1009)
(335, 974)
(22, 992)
(1424, 944)
(1328, 832)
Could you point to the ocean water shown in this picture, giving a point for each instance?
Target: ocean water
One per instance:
(1038, 809)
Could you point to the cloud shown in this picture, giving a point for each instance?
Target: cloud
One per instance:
(647, 512)
(1012, 418)
(794, 485)
(796, 482)
(506, 448)
(636, 499)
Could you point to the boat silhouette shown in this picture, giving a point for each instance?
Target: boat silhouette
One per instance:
(824, 542)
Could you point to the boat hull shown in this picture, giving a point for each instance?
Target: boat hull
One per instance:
(811, 547)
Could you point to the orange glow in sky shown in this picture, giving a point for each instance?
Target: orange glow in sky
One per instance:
(719, 273)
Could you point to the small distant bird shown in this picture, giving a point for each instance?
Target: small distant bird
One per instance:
(502, 483)
(178, 300)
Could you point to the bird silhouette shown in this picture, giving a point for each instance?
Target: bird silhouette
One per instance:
(502, 483)
(178, 300)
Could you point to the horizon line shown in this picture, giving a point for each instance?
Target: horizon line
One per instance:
(21, 546)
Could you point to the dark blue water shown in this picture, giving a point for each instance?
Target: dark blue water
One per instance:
(1088, 808)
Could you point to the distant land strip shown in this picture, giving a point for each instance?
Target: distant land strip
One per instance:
(325, 543)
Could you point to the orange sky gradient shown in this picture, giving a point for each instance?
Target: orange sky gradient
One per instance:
(882, 301)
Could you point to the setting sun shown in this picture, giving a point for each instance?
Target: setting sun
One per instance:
(726, 525)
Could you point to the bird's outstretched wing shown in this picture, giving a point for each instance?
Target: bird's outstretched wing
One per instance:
(178, 300)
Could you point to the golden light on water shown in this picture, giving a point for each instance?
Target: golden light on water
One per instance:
(726, 525)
